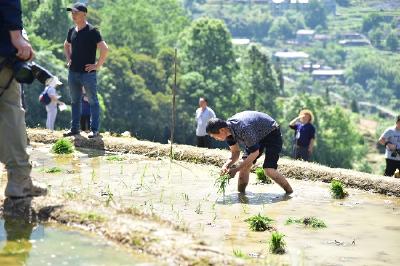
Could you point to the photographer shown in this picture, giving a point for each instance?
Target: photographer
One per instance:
(391, 140)
(12, 118)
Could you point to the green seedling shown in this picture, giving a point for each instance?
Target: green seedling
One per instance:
(221, 182)
(307, 221)
(261, 177)
(276, 243)
(337, 190)
(63, 146)
(115, 158)
(259, 223)
(240, 254)
(109, 195)
(198, 209)
(53, 170)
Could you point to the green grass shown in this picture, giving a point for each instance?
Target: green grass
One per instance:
(261, 176)
(53, 170)
(114, 158)
(259, 223)
(276, 243)
(337, 190)
(63, 146)
(307, 221)
(240, 254)
(221, 182)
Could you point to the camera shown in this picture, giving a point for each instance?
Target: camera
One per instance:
(395, 152)
(27, 72)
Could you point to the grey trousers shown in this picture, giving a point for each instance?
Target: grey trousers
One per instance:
(13, 136)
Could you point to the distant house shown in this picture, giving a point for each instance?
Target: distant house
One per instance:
(323, 74)
(322, 37)
(310, 67)
(351, 36)
(304, 36)
(355, 42)
(238, 41)
(291, 55)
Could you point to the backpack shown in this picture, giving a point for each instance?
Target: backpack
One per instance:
(44, 98)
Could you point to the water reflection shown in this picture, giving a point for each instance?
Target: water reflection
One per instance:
(253, 198)
(19, 221)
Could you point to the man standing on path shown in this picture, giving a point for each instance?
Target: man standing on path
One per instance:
(80, 51)
(257, 132)
(203, 114)
(14, 47)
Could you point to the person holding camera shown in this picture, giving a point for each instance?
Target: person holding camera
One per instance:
(391, 140)
(304, 135)
(13, 138)
(257, 132)
(80, 48)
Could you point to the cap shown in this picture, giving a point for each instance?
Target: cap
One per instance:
(78, 7)
(53, 82)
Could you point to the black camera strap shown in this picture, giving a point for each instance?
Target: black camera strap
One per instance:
(2, 65)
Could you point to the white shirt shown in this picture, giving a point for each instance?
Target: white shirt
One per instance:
(202, 118)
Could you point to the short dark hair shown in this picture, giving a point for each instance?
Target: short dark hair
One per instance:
(214, 125)
(398, 118)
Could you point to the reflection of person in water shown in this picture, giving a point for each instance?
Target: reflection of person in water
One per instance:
(19, 221)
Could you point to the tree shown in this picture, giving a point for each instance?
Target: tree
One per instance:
(51, 13)
(281, 29)
(376, 36)
(262, 81)
(392, 41)
(344, 3)
(143, 25)
(206, 48)
(315, 15)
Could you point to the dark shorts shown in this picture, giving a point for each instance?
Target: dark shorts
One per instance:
(391, 166)
(272, 144)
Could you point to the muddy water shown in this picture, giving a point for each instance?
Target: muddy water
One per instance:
(361, 230)
(24, 243)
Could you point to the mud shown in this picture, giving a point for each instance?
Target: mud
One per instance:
(290, 168)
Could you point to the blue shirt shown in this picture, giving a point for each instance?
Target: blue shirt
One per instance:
(304, 133)
(10, 20)
(249, 128)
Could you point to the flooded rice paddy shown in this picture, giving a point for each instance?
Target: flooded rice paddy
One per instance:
(362, 229)
(26, 243)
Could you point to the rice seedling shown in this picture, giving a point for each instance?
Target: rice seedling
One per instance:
(337, 190)
(114, 158)
(259, 223)
(239, 254)
(307, 221)
(63, 146)
(109, 195)
(261, 177)
(221, 182)
(198, 209)
(276, 243)
(53, 170)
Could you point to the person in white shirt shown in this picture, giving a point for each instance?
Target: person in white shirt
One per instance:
(203, 114)
(51, 108)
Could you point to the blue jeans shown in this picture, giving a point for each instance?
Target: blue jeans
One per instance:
(77, 80)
